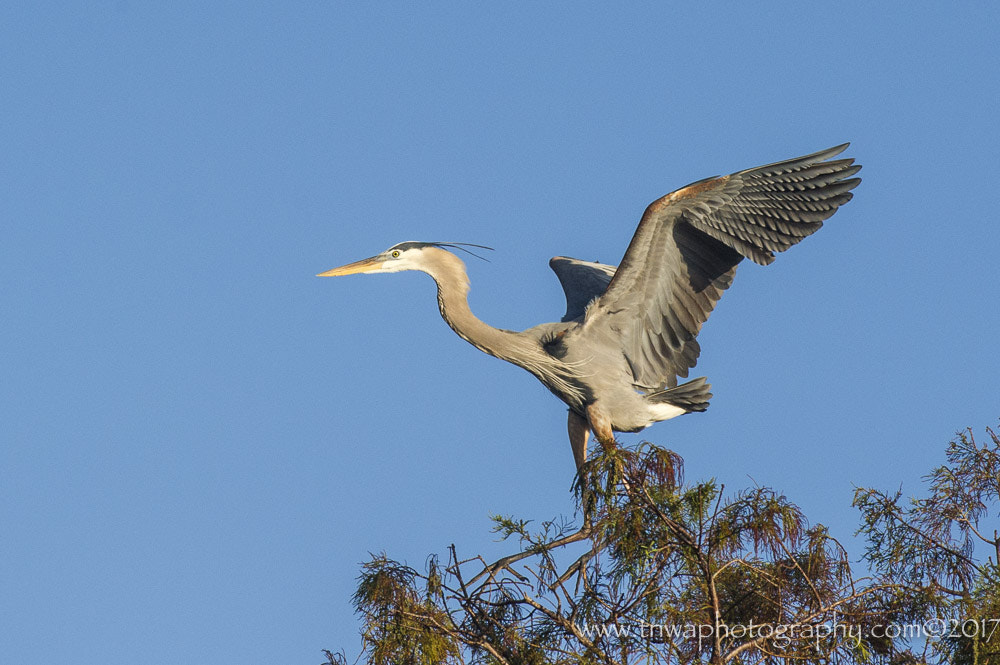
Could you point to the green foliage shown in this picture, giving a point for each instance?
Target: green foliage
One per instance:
(400, 627)
(662, 571)
(928, 547)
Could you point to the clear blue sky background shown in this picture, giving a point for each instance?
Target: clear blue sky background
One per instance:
(201, 440)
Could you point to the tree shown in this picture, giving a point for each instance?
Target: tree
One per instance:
(929, 546)
(661, 571)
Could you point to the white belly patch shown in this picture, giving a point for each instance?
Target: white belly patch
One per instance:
(660, 412)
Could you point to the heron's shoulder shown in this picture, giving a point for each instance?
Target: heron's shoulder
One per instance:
(544, 330)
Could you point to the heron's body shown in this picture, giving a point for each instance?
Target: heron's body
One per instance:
(581, 370)
(630, 332)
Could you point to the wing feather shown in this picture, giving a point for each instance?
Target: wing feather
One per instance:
(685, 251)
(582, 282)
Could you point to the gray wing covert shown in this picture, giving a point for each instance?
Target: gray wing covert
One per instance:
(582, 281)
(685, 251)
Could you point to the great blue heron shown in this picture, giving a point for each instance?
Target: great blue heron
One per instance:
(629, 332)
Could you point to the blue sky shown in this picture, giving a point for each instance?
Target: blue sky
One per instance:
(201, 440)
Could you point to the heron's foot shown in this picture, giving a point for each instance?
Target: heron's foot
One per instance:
(608, 445)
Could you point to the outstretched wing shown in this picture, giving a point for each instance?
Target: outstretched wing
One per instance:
(684, 254)
(582, 281)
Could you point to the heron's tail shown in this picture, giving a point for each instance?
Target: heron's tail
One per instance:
(691, 396)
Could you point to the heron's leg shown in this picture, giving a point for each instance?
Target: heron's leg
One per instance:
(579, 432)
(601, 425)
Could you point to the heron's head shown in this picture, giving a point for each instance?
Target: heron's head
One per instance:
(410, 255)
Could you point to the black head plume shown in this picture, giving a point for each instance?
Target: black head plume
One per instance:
(452, 245)
(462, 246)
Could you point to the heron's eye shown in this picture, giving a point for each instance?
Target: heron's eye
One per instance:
(395, 254)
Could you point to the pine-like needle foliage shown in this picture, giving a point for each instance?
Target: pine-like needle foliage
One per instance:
(666, 572)
(932, 549)
(660, 572)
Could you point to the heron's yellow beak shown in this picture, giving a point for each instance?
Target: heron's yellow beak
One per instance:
(364, 265)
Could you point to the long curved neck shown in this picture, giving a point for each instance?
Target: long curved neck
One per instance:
(518, 348)
(452, 281)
